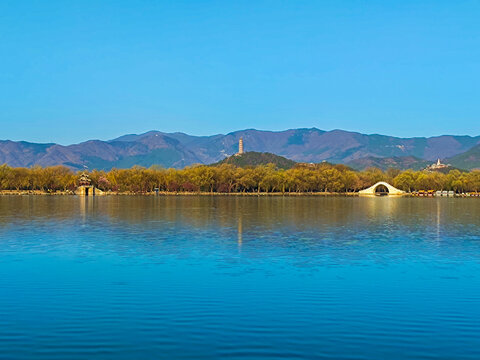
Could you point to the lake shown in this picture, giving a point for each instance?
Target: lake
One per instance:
(199, 277)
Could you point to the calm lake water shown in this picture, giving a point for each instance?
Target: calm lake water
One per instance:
(239, 278)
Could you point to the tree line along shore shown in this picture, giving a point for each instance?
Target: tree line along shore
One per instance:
(227, 178)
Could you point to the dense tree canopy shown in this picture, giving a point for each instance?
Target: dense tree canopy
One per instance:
(227, 178)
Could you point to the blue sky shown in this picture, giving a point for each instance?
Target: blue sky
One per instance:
(77, 70)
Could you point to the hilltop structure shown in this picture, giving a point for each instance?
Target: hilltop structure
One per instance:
(240, 147)
(437, 166)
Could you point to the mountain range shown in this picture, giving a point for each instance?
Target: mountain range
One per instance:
(302, 145)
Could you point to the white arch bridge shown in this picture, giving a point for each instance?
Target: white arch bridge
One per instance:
(372, 189)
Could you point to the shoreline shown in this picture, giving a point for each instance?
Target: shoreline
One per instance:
(172, 193)
(240, 194)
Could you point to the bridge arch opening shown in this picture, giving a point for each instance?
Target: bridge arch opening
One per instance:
(381, 190)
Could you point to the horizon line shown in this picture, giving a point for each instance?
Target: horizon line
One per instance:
(236, 131)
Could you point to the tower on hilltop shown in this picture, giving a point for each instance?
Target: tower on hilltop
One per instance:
(437, 166)
(240, 146)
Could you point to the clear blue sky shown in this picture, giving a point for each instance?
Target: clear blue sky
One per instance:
(77, 70)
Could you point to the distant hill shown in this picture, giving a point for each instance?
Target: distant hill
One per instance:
(253, 158)
(95, 154)
(396, 162)
(445, 170)
(468, 160)
(178, 149)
